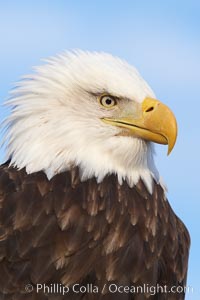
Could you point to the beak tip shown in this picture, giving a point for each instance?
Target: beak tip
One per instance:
(170, 148)
(168, 152)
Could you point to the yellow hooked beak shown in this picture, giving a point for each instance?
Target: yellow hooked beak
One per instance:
(157, 123)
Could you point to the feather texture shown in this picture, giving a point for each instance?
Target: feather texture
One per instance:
(67, 231)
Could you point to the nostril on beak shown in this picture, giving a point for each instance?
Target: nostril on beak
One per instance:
(149, 109)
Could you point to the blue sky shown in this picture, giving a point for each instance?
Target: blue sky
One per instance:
(161, 38)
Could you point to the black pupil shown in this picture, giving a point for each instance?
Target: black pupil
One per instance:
(108, 101)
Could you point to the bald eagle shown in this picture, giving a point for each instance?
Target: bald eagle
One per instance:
(83, 212)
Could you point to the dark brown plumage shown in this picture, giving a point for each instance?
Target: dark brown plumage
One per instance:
(67, 231)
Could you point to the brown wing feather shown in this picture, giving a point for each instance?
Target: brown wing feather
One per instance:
(67, 231)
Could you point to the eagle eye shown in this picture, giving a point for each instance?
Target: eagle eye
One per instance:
(107, 101)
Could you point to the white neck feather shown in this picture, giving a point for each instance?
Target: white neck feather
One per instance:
(50, 129)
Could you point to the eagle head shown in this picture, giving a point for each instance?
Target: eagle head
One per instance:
(90, 110)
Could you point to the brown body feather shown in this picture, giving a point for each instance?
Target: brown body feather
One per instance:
(67, 231)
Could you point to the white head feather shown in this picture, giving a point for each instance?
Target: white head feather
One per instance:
(56, 123)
